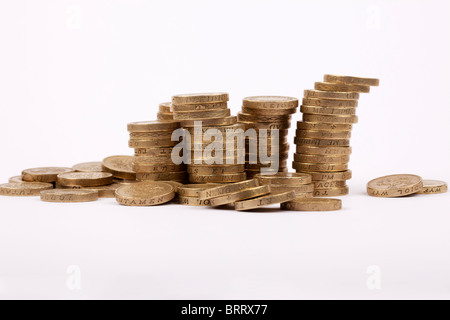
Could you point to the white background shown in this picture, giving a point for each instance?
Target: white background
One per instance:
(74, 73)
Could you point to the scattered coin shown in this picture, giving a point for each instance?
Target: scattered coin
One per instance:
(145, 194)
(193, 190)
(69, 195)
(85, 179)
(285, 178)
(395, 186)
(434, 187)
(120, 167)
(314, 205)
(227, 189)
(30, 189)
(239, 196)
(264, 201)
(49, 174)
(88, 167)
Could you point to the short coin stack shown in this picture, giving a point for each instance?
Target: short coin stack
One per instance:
(270, 118)
(323, 137)
(153, 145)
(165, 112)
(215, 141)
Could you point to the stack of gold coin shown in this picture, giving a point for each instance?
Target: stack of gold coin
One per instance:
(300, 183)
(189, 194)
(214, 140)
(153, 146)
(323, 137)
(165, 112)
(267, 120)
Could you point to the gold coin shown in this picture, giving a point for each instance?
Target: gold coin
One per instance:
(320, 167)
(85, 179)
(221, 169)
(434, 187)
(157, 168)
(143, 160)
(270, 102)
(124, 181)
(153, 152)
(265, 201)
(318, 94)
(329, 176)
(145, 194)
(330, 119)
(352, 80)
(153, 126)
(233, 129)
(323, 134)
(240, 196)
(165, 116)
(305, 190)
(88, 167)
(17, 179)
(285, 178)
(298, 157)
(176, 185)
(330, 111)
(330, 103)
(395, 186)
(193, 190)
(30, 189)
(252, 166)
(163, 143)
(194, 202)
(326, 151)
(151, 135)
(104, 191)
(121, 167)
(208, 114)
(269, 112)
(200, 107)
(222, 178)
(69, 196)
(315, 205)
(261, 118)
(266, 126)
(325, 86)
(318, 185)
(331, 192)
(322, 142)
(227, 121)
(228, 189)
(44, 174)
(161, 176)
(165, 107)
(332, 127)
(200, 98)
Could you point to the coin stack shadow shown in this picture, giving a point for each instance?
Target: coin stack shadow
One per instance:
(211, 163)
(165, 112)
(270, 117)
(153, 145)
(323, 137)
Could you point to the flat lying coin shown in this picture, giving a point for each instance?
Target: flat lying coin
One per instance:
(265, 201)
(88, 167)
(216, 169)
(49, 174)
(200, 107)
(164, 116)
(17, 179)
(121, 167)
(331, 111)
(270, 102)
(352, 80)
(208, 114)
(395, 186)
(325, 151)
(310, 134)
(227, 121)
(332, 192)
(322, 142)
(285, 178)
(216, 178)
(434, 187)
(260, 118)
(69, 196)
(313, 205)
(165, 107)
(200, 98)
(330, 176)
(153, 126)
(320, 167)
(161, 176)
(325, 86)
(145, 194)
(330, 103)
(329, 127)
(318, 94)
(30, 189)
(227, 189)
(306, 158)
(330, 119)
(239, 196)
(85, 179)
(142, 144)
(269, 112)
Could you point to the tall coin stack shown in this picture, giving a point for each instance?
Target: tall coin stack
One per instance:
(165, 112)
(153, 145)
(264, 114)
(323, 137)
(199, 114)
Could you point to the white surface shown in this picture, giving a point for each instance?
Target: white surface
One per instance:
(74, 73)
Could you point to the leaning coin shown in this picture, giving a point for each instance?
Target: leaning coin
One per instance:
(270, 102)
(200, 98)
(395, 186)
(222, 178)
(193, 190)
(30, 189)
(85, 179)
(313, 205)
(194, 201)
(227, 189)
(434, 187)
(145, 194)
(265, 201)
(88, 167)
(318, 94)
(69, 196)
(239, 196)
(325, 86)
(352, 80)
(44, 174)
(121, 167)
(329, 111)
(329, 103)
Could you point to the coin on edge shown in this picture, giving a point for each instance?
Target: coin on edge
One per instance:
(145, 194)
(313, 205)
(49, 174)
(265, 201)
(395, 186)
(121, 167)
(69, 195)
(29, 189)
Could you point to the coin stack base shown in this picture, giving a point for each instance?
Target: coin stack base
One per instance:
(323, 137)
